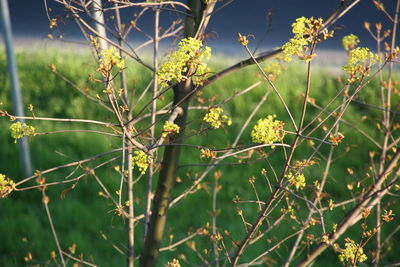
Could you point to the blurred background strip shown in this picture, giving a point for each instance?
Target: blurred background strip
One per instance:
(14, 82)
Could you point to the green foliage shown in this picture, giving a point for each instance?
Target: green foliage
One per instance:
(81, 209)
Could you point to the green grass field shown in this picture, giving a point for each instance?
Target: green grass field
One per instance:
(81, 216)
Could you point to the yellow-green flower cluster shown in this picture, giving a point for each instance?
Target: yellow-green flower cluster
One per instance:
(6, 186)
(290, 211)
(268, 130)
(173, 263)
(207, 153)
(170, 128)
(141, 160)
(387, 216)
(186, 62)
(273, 70)
(19, 130)
(53, 23)
(306, 31)
(350, 42)
(359, 62)
(109, 59)
(296, 179)
(349, 253)
(216, 119)
(242, 39)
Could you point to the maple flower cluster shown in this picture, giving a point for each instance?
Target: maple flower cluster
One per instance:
(268, 130)
(336, 138)
(170, 128)
(306, 31)
(141, 160)
(6, 186)
(207, 153)
(296, 179)
(290, 211)
(185, 62)
(273, 70)
(352, 252)
(359, 63)
(350, 42)
(216, 119)
(109, 59)
(53, 23)
(387, 216)
(242, 39)
(19, 130)
(173, 263)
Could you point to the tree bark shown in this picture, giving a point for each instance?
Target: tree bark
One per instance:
(195, 24)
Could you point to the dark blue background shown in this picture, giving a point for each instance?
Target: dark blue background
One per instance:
(245, 16)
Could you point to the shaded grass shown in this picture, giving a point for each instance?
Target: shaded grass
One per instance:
(82, 217)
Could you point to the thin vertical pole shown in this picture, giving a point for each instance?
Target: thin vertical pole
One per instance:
(99, 23)
(14, 82)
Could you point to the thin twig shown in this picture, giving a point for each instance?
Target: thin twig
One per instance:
(180, 242)
(53, 230)
(79, 260)
(311, 204)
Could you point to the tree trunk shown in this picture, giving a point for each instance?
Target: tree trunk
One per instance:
(194, 27)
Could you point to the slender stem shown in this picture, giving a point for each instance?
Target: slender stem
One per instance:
(214, 219)
(153, 122)
(182, 241)
(131, 211)
(121, 184)
(263, 214)
(65, 120)
(79, 260)
(318, 193)
(272, 248)
(75, 163)
(386, 121)
(144, 4)
(79, 131)
(273, 87)
(369, 200)
(354, 127)
(311, 204)
(218, 160)
(79, 19)
(53, 229)
(322, 110)
(80, 90)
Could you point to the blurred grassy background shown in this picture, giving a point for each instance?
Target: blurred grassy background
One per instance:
(81, 216)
